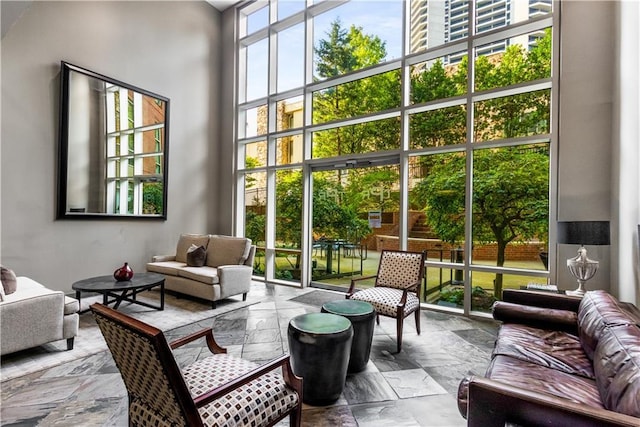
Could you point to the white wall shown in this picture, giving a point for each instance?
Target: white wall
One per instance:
(626, 153)
(170, 48)
(227, 132)
(598, 154)
(584, 135)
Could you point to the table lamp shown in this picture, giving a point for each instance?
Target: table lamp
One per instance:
(583, 233)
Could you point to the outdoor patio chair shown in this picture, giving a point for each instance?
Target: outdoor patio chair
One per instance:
(396, 292)
(219, 390)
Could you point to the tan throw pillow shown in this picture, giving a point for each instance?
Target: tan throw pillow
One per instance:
(227, 250)
(9, 281)
(185, 242)
(196, 256)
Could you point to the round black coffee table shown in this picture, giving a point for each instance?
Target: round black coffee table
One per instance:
(121, 291)
(319, 344)
(363, 318)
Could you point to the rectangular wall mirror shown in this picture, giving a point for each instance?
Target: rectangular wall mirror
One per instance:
(113, 148)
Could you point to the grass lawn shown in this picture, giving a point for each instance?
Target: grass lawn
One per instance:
(438, 279)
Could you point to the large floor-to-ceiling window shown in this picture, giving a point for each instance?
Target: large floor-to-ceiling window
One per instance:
(417, 125)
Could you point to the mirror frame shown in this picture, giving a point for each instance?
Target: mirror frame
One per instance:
(63, 152)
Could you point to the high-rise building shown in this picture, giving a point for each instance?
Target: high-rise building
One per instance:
(435, 22)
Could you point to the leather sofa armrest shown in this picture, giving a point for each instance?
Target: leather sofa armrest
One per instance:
(163, 258)
(539, 317)
(542, 299)
(492, 403)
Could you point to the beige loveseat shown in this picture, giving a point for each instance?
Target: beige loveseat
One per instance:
(34, 315)
(227, 268)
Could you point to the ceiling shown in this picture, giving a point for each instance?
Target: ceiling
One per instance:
(221, 5)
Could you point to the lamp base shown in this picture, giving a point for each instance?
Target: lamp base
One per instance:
(577, 293)
(583, 269)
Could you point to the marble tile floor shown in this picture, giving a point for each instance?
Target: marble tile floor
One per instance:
(416, 387)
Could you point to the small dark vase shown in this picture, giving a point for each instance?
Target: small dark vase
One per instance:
(124, 273)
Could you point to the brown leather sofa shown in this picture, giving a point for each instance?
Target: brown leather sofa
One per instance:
(559, 361)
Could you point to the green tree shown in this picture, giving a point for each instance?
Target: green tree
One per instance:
(330, 216)
(510, 197)
(444, 126)
(510, 184)
(255, 225)
(153, 198)
(518, 115)
(344, 51)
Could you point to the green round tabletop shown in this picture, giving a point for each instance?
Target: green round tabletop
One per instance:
(320, 323)
(348, 307)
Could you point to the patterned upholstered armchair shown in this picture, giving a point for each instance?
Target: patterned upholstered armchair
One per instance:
(397, 288)
(219, 390)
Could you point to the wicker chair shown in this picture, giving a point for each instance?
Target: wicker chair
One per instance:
(219, 390)
(397, 288)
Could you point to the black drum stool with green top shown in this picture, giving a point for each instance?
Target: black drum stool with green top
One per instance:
(319, 346)
(363, 318)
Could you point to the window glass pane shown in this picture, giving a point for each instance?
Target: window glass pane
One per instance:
(436, 198)
(368, 95)
(255, 196)
(151, 165)
(458, 20)
(256, 72)
(152, 111)
(145, 142)
(288, 224)
(255, 155)
(152, 196)
(367, 137)
(289, 7)
(483, 293)
(510, 61)
(513, 116)
(438, 79)
(289, 150)
(130, 195)
(434, 23)
(444, 286)
(290, 58)
(436, 128)
(436, 223)
(289, 113)
(258, 19)
(492, 14)
(510, 206)
(356, 35)
(355, 216)
(256, 121)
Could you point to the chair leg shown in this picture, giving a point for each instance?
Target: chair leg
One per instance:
(378, 319)
(244, 296)
(399, 323)
(295, 417)
(213, 305)
(70, 343)
(417, 314)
